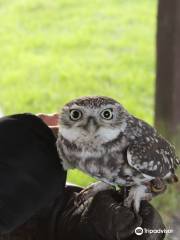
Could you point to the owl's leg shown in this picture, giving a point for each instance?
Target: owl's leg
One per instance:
(136, 195)
(144, 192)
(85, 197)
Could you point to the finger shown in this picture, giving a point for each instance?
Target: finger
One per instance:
(49, 119)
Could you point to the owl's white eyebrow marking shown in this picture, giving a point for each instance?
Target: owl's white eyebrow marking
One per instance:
(75, 106)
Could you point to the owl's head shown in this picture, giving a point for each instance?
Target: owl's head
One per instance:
(96, 117)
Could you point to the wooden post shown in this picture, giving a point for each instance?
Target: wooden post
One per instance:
(167, 107)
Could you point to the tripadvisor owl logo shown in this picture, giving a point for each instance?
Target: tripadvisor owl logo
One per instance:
(139, 231)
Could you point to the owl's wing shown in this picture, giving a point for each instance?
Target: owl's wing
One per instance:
(152, 156)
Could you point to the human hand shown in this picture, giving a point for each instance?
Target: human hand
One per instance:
(51, 120)
(107, 219)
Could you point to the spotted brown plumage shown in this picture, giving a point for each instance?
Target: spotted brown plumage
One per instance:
(98, 136)
(149, 152)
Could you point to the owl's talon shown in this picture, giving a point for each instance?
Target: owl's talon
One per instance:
(81, 198)
(90, 192)
(83, 207)
(136, 195)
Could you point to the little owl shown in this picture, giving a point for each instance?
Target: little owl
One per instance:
(99, 137)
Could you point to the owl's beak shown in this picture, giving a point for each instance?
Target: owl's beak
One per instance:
(91, 125)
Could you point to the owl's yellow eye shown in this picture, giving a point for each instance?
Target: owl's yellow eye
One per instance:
(75, 114)
(107, 114)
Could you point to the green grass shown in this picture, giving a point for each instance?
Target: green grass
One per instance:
(54, 51)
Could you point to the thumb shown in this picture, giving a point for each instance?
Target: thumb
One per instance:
(49, 119)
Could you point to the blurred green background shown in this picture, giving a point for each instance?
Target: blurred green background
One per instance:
(54, 51)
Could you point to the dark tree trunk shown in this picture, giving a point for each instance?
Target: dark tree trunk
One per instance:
(167, 109)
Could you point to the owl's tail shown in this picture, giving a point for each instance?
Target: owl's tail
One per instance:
(172, 179)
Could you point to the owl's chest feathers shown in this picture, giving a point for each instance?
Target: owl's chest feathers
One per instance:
(93, 148)
(81, 152)
(102, 161)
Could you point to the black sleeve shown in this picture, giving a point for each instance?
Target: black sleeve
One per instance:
(31, 175)
(105, 219)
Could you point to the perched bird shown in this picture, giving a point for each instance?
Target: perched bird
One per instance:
(98, 136)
